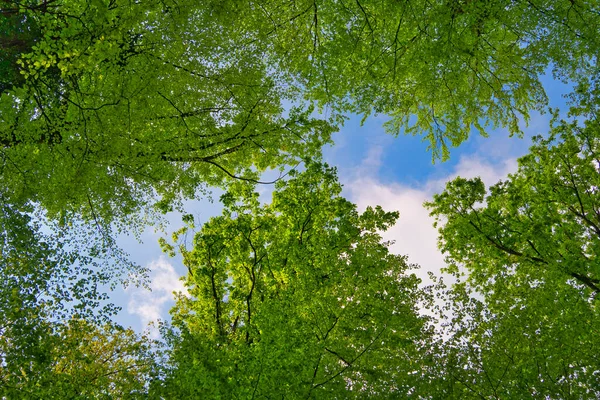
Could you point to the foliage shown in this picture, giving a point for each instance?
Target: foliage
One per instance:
(541, 342)
(439, 68)
(544, 219)
(114, 110)
(296, 299)
(527, 313)
(17, 37)
(47, 284)
(118, 101)
(82, 361)
(123, 102)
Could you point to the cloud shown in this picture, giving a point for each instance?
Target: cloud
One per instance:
(151, 305)
(414, 234)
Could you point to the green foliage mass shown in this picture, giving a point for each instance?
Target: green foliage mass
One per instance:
(528, 249)
(118, 102)
(123, 102)
(297, 299)
(81, 361)
(52, 302)
(438, 68)
(112, 111)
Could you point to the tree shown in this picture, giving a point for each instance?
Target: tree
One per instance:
(528, 249)
(55, 332)
(123, 102)
(110, 107)
(118, 99)
(544, 219)
(438, 68)
(84, 361)
(17, 37)
(299, 298)
(538, 343)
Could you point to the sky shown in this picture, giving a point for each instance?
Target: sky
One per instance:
(375, 169)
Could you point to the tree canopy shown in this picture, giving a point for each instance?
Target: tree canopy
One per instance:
(118, 104)
(528, 247)
(129, 100)
(296, 299)
(56, 329)
(115, 111)
(80, 360)
(438, 68)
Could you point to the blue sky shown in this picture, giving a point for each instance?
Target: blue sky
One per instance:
(376, 169)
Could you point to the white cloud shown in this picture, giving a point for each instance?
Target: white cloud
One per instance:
(151, 305)
(414, 234)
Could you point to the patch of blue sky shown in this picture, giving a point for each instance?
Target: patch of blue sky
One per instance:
(406, 159)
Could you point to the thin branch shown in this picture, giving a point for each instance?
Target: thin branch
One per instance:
(349, 364)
